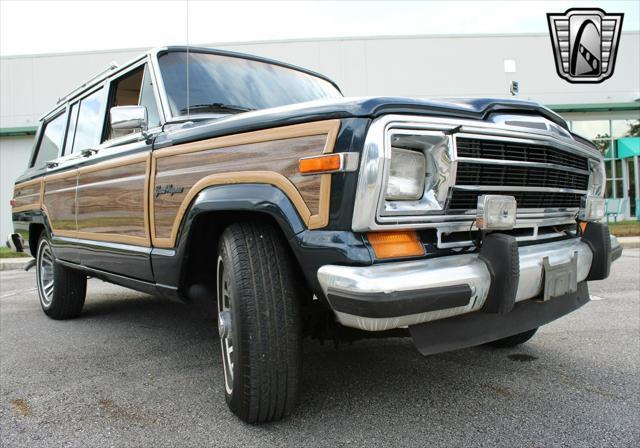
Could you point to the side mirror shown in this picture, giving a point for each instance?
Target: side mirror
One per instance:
(128, 118)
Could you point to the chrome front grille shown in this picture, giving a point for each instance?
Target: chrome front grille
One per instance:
(467, 200)
(542, 165)
(515, 151)
(519, 176)
(539, 176)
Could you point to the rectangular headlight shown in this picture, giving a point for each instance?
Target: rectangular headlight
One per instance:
(406, 175)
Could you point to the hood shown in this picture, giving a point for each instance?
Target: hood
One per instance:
(351, 107)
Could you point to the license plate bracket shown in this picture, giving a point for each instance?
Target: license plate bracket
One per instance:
(560, 279)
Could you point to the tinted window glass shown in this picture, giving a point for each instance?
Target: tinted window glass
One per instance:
(236, 81)
(89, 121)
(51, 142)
(73, 120)
(125, 91)
(135, 88)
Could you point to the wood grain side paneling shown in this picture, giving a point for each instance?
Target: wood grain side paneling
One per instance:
(26, 196)
(280, 156)
(112, 201)
(269, 156)
(59, 201)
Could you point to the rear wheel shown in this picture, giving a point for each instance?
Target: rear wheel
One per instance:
(61, 290)
(514, 340)
(258, 322)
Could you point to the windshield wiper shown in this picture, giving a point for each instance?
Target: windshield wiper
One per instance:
(215, 107)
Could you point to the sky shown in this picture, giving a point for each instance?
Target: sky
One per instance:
(32, 27)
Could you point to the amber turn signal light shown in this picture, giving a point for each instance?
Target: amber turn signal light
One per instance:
(320, 164)
(396, 244)
(583, 226)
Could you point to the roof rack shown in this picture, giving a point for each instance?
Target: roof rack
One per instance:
(111, 67)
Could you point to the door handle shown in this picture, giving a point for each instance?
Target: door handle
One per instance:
(88, 152)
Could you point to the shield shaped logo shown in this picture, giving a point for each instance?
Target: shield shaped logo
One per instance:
(585, 43)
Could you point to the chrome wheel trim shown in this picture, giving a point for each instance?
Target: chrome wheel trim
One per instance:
(225, 324)
(44, 273)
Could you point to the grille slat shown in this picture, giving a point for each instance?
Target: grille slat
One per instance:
(522, 152)
(468, 200)
(517, 176)
(513, 175)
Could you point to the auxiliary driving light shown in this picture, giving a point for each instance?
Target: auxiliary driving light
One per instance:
(592, 209)
(496, 212)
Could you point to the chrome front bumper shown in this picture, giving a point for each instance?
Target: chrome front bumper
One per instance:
(442, 274)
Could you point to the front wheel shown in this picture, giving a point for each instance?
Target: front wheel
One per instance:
(258, 321)
(61, 290)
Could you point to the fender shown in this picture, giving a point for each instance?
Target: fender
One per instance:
(22, 221)
(169, 264)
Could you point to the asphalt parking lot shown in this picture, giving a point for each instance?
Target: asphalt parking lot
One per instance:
(138, 371)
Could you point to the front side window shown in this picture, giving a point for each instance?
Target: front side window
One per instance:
(87, 131)
(134, 88)
(223, 84)
(51, 142)
(73, 121)
(148, 99)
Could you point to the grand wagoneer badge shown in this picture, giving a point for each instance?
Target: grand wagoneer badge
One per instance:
(585, 43)
(168, 189)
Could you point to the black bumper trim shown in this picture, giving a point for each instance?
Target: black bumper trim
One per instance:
(500, 253)
(478, 328)
(399, 303)
(616, 253)
(596, 235)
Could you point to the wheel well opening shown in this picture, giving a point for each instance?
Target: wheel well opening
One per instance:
(198, 283)
(35, 230)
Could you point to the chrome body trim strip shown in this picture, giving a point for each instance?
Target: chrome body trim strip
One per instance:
(101, 244)
(446, 271)
(535, 236)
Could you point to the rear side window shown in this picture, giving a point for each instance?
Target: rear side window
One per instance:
(88, 126)
(51, 142)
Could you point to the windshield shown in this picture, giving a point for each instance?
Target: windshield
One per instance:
(226, 83)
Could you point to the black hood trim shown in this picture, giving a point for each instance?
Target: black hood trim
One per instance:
(473, 109)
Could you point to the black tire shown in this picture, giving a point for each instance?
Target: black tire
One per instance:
(514, 340)
(61, 290)
(262, 290)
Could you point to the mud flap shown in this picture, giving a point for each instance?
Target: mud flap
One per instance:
(478, 328)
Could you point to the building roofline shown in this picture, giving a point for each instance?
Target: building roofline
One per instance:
(295, 40)
(594, 107)
(19, 130)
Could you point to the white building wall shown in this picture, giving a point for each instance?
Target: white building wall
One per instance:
(416, 66)
(423, 66)
(14, 155)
